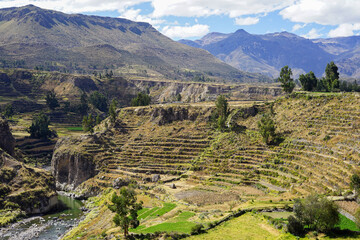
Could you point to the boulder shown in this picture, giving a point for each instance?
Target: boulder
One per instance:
(155, 178)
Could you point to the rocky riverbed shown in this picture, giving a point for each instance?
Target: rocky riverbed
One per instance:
(50, 226)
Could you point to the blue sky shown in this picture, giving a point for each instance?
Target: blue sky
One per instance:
(192, 19)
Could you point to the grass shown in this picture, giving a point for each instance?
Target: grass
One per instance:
(156, 211)
(181, 227)
(248, 226)
(278, 215)
(75, 129)
(347, 224)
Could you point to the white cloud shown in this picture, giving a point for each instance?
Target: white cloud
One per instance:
(325, 12)
(197, 30)
(232, 8)
(313, 33)
(298, 26)
(246, 21)
(74, 6)
(134, 15)
(344, 30)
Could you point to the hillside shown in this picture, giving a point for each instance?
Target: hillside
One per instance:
(159, 146)
(268, 53)
(23, 189)
(34, 37)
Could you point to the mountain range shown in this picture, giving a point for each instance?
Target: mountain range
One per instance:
(32, 37)
(268, 53)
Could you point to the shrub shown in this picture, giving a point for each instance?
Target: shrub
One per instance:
(317, 213)
(51, 100)
(99, 101)
(40, 127)
(294, 226)
(142, 99)
(197, 229)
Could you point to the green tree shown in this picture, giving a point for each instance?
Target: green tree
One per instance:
(355, 182)
(317, 213)
(267, 128)
(99, 101)
(222, 108)
(112, 110)
(126, 207)
(8, 111)
(331, 77)
(308, 81)
(40, 127)
(88, 123)
(83, 107)
(287, 82)
(142, 99)
(51, 100)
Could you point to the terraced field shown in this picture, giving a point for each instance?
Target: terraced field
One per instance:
(320, 151)
(176, 156)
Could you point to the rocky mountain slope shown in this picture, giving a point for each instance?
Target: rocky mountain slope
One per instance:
(268, 53)
(33, 37)
(23, 189)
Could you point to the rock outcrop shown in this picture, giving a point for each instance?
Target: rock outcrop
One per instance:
(7, 141)
(71, 164)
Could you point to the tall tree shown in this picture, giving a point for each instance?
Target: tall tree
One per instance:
(222, 108)
(51, 100)
(126, 207)
(83, 107)
(287, 82)
(308, 81)
(88, 123)
(112, 110)
(332, 77)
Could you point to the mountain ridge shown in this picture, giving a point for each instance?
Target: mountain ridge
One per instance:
(34, 37)
(268, 53)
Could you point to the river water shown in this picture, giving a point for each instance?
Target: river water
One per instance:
(46, 227)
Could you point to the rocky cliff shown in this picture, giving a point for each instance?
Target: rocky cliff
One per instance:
(7, 141)
(73, 161)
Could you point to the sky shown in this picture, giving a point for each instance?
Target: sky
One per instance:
(192, 19)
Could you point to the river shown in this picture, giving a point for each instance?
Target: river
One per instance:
(50, 226)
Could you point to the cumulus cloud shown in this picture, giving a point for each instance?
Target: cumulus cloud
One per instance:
(74, 6)
(134, 15)
(298, 26)
(197, 30)
(201, 8)
(323, 12)
(246, 21)
(313, 33)
(344, 30)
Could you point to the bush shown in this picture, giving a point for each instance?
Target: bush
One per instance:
(51, 100)
(317, 213)
(40, 127)
(294, 226)
(142, 99)
(267, 128)
(99, 101)
(197, 229)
